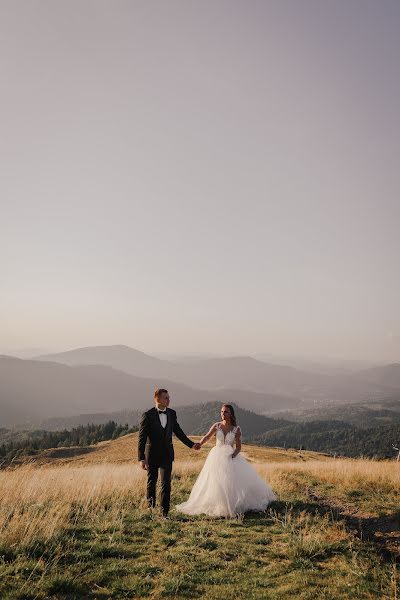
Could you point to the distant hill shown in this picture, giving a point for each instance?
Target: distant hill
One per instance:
(131, 417)
(32, 391)
(239, 372)
(388, 375)
(195, 419)
(211, 373)
(360, 414)
(198, 419)
(335, 437)
(15, 447)
(122, 358)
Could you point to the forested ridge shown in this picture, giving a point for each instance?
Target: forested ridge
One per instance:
(31, 443)
(335, 437)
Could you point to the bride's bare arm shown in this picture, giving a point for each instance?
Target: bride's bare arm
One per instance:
(238, 440)
(209, 434)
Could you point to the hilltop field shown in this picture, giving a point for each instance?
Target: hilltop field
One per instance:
(74, 524)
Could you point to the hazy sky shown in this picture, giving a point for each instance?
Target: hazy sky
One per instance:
(215, 175)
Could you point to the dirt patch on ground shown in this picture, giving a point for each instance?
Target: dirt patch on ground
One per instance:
(383, 531)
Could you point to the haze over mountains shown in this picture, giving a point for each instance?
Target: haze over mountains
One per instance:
(105, 379)
(32, 390)
(241, 372)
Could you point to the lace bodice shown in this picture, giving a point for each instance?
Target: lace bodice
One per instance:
(229, 438)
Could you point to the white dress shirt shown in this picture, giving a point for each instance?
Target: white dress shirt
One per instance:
(163, 417)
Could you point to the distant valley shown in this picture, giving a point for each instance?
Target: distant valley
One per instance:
(110, 379)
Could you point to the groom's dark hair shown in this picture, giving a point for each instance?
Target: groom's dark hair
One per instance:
(158, 392)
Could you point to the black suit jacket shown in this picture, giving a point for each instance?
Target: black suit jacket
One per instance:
(155, 442)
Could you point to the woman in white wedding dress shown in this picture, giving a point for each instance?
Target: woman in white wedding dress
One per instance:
(227, 484)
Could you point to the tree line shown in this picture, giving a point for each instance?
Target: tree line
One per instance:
(335, 437)
(83, 435)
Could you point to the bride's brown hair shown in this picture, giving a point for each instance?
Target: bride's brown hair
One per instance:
(233, 417)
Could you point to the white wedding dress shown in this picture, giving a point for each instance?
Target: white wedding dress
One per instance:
(227, 487)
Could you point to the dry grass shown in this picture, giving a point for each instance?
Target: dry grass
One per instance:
(38, 503)
(345, 474)
(77, 527)
(124, 450)
(365, 487)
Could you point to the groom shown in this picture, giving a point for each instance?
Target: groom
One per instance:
(155, 449)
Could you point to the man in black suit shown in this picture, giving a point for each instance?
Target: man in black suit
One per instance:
(155, 448)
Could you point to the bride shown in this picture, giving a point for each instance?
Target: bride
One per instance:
(227, 484)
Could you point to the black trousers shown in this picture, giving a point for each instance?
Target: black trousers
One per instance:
(165, 478)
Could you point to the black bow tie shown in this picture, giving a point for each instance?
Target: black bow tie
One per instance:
(162, 411)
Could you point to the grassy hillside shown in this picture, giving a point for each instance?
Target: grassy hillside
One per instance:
(76, 526)
(124, 450)
(16, 447)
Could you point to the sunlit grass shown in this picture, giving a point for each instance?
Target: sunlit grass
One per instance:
(80, 529)
(372, 486)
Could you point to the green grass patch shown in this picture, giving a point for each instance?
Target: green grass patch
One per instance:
(296, 549)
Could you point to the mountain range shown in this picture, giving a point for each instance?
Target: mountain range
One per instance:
(114, 378)
(194, 420)
(32, 390)
(243, 373)
(340, 436)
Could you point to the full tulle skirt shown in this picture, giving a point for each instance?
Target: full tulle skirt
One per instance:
(227, 487)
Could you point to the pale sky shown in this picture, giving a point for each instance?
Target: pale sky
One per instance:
(211, 176)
